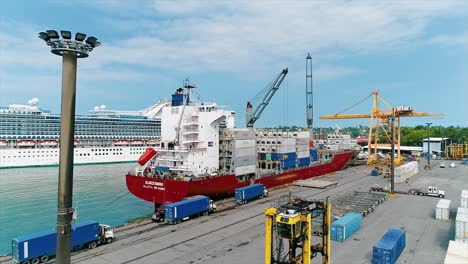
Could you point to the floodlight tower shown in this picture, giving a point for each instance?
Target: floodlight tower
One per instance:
(309, 95)
(70, 50)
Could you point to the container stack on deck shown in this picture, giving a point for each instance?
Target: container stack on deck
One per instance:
(237, 151)
(285, 150)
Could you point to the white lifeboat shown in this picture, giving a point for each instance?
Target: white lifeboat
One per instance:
(49, 143)
(26, 143)
(136, 142)
(3, 143)
(152, 142)
(121, 143)
(75, 142)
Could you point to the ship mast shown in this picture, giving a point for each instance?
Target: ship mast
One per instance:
(309, 94)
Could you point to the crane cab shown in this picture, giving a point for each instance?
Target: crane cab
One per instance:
(289, 224)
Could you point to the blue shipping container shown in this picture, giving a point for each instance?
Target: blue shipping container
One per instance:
(287, 156)
(44, 243)
(389, 247)
(274, 156)
(287, 164)
(346, 226)
(186, 208)
(313, 154)
(250, 192)
(262, 156)
(303, 161)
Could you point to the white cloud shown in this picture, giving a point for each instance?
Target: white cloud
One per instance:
(450, 40)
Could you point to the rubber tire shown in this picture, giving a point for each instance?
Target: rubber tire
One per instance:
(35, 261)
(108, 240)
(92, 245)
(441, 196)
(26, 262)
(44, 258)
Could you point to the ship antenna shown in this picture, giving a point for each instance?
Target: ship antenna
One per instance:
(189, 86)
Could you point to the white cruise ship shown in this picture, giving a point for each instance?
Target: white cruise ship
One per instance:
(30, 136)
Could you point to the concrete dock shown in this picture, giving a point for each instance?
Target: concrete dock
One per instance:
(237, 235)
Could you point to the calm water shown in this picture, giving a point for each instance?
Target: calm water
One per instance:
(28, 199)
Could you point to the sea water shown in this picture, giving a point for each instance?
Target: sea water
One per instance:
(28, 199)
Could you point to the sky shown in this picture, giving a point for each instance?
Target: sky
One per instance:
(413, 52)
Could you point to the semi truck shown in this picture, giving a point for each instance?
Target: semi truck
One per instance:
(41, 246)
(189, 207)
(244, 194)
(431, 191)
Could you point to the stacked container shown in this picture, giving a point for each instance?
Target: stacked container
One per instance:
(443, 210)
(346, 226)
(464, 199)
(389, 247)
(313, 154)
(457, 252)
(461, 225)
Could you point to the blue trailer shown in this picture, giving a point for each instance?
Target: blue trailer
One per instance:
(345, 227)
(41, 246)
(389, 247)
(174, 213)
(254, 191)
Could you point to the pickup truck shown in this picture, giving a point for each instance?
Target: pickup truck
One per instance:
(431, 191)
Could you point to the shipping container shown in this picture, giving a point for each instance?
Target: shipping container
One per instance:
(245, 169)
(442, 211)
(301, 148)
(303, 154)
(175, 212)
(345, 227)
(268, 156)
(244, 161)
(287, 156)
(464, 199)
(457, 253)
(461, 225)
(43, 244)
(287, 164)
(303, 161)
(244, 143)
(245, 152)
(274, 156)
(389, 247)
(244, 194)
(313, 154)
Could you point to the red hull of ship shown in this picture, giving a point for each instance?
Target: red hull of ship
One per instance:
(160, 191)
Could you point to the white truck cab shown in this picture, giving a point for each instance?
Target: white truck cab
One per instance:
(434, 191)
(212, 206)
(107, 234)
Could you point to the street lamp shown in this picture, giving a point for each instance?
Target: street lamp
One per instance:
(70, 50)
(428, 166)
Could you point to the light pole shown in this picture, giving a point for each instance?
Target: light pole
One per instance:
(428, 147)
(70, 50)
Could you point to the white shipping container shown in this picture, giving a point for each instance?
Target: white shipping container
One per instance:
(245, 143)
(457, 253)
(303, 154)
(245, 152)
(302, 148)
(464, 199)
(443, 209)
(245, 169)
(461, 225)
(302, 141)
(286, 149)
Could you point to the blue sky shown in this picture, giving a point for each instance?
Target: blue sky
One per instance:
(414, 52)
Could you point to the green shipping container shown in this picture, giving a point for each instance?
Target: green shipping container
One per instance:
(268, 156)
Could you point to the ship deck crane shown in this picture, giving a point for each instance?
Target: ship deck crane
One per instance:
(293, 222)
(254, 115)
(383, 118)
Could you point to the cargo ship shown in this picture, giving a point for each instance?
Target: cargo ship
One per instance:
(202, 153)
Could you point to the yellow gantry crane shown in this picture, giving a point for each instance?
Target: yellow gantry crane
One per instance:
(385, 119)
(293, 222)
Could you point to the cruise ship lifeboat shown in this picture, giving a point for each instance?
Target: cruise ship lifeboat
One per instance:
(49, 143)
(75, 142)
(3, 143)
(136, 143)
(153, 142)
(121, 143)
(26, 143)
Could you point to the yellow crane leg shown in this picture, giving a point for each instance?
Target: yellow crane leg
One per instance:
(270, 216)
(307, 245)
(326, 241)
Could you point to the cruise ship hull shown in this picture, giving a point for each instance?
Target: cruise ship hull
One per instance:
(159, 191)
